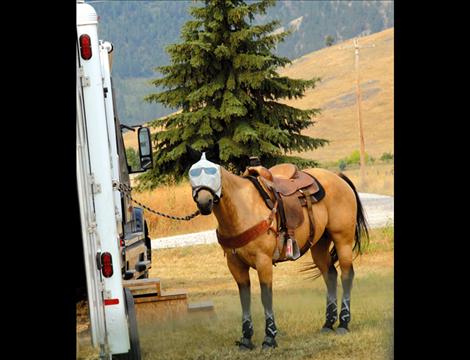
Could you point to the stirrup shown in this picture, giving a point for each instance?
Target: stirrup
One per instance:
(295, 249)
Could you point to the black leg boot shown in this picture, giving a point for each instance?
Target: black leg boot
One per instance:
(270, 331)
(245, 342)
(344, 317)
(331, 315)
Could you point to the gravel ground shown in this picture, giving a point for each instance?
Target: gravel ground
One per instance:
(378, 209)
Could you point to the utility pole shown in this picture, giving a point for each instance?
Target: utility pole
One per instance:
(362, 150)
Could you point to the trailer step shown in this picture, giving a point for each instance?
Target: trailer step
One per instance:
(154, 304)
(201, 306)
(143, 286)
(174, 294)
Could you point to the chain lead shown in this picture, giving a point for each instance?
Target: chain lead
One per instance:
(126, 190)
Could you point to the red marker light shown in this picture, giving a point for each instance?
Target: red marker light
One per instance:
(111, 301)
(106, 264)
(85, 47)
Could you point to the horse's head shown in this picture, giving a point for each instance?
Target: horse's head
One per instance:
(206, 182)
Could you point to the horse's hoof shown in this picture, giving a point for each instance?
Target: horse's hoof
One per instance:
(341, 331)
(269, 343)
(327, 330)
(245, 344)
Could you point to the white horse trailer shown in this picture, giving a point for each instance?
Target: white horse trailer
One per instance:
(115, 240)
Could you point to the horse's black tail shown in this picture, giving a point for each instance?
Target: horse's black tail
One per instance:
(362, 229)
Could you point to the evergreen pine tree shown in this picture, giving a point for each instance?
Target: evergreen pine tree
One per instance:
(223, 79)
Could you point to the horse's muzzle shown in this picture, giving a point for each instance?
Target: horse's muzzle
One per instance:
(205, 201)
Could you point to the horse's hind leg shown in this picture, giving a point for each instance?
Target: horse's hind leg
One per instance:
(240, 273)
(345, 256)
(264, 266)
(321, 256)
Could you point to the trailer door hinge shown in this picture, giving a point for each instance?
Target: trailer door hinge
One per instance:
(117, 213)
(95, 187)
(84, 79)
(91, 227)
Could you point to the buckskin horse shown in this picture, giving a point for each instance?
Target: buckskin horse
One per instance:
(258, 211)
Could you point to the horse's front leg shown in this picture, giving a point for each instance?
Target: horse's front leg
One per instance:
(264, 267)
(240, 273)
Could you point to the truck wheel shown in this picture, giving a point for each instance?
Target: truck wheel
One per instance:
(134, 352)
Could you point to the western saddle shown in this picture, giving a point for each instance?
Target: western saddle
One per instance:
(291, 189)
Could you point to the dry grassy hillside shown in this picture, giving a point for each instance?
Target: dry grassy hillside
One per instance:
(335, 95)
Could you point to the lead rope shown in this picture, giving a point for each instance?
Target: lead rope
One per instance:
(126, 190)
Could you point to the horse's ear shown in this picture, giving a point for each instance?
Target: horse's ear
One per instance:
(194, 155)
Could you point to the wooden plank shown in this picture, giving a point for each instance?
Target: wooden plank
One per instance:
(146, 298)
(174, 294)
(141, 290)
(141, 282)
(154, 312)
(143, 286)
(180, 294)
(201, 306)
